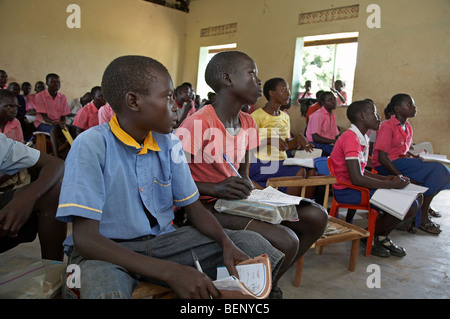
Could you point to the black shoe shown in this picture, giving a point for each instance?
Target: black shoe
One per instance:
(276, 293)
(393, 249)
(379, 250)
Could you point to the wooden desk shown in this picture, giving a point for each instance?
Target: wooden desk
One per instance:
(345, 232)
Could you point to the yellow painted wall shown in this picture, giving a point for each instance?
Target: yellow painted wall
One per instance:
(408, 54)
(35, 39)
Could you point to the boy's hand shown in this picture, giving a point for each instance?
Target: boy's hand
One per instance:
(233, 188)
(232, 255)
(14, 215)
(188, 283)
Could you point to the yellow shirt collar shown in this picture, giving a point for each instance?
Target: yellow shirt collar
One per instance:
(149, 142)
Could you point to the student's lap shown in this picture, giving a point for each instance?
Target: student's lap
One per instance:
(175, 247)
(433, 175)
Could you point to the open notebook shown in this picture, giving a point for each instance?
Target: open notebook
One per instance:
(397, 201)
(255, 280)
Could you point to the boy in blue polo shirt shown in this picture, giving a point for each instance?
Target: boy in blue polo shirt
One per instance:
(121, 182)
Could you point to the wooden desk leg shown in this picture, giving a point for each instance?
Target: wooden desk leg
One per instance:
(319, 250)
(299, 271)
(353, 255)
(41, 143)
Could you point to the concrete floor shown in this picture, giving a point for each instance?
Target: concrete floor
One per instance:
(422, 274)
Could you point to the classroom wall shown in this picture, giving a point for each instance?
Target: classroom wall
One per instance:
(36, 40)
(408, 54)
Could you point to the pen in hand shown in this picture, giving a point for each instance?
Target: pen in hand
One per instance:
(234, 168)
(196, 262)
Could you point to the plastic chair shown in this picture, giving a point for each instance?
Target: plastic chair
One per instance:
(363, 205)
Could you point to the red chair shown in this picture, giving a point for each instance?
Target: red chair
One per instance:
(363, 205)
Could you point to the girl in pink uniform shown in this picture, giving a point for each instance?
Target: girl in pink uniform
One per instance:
(390, 153)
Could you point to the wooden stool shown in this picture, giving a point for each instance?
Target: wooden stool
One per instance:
(41, 141)
(146, 290)
(344, 232)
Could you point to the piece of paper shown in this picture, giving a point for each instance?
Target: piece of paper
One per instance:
(315, 153)
(305, 162)
(434, 158)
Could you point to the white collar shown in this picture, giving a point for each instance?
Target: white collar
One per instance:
(363, 139)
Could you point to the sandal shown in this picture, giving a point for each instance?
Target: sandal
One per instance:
(434, 213)
(430, 227)
(410, 229)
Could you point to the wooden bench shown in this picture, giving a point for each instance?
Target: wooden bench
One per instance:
(345, 232)
(146, 290)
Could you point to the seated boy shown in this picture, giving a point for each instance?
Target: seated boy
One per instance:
(322, 129)
(87, 116)
(121, 182)
(9, 124)
(183, 101)
(223, 129)
(31, 209)
(349, 159)
(51, 110)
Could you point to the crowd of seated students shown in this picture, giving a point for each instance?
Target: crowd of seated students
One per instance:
(146, 129)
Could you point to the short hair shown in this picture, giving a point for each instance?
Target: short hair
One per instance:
(271, 85)
(356, 108)
(95, 89)
(189, 84)
(322, 96)
(318, 94)
(48, 76)
(5, 93)
(130, 73)
(222, 62)
(180, 88)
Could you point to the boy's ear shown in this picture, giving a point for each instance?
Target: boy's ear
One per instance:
(360, 116)
(226, 78)
(132, 101)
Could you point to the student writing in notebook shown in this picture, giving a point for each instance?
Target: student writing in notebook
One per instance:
(224, 128)
(349, 159)
(391, 156)
(121, 182)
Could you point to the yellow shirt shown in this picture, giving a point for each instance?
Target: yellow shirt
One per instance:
(274, 127)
